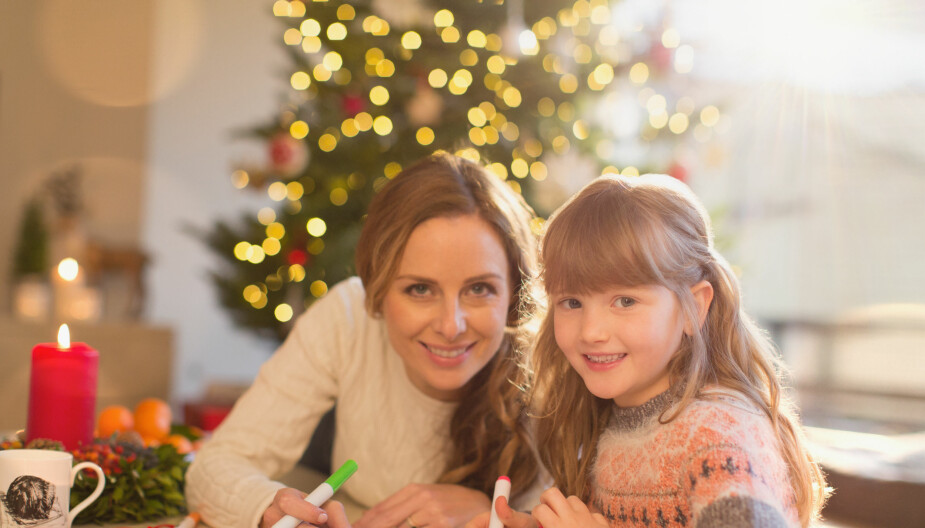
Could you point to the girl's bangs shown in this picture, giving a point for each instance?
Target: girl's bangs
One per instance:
(592, 244)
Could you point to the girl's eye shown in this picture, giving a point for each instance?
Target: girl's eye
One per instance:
(625, 302)
(570, 304)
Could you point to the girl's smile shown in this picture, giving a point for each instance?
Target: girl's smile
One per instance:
(602, 362)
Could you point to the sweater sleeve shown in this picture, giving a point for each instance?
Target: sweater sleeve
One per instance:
(735, 476)
(726, 491)
(230, 480)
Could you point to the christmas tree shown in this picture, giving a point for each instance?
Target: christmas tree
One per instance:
(547, 93)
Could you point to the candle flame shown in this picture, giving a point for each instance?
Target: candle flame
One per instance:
(68, 269)
(64, 337)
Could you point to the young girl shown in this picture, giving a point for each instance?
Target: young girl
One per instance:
(658, 399)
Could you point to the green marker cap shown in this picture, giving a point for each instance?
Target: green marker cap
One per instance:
(342, 474)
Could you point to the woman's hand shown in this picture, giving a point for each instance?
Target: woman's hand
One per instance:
(288, 501)
(426, 506)
(507, 516)
(556, 511)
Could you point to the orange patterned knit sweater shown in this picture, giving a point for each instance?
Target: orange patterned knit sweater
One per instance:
(716, 465)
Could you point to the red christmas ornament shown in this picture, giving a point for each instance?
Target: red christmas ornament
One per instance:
(352, 104)
(288, 155)
(678, 172)
(661, 57)
(426, 106)
(297, 256)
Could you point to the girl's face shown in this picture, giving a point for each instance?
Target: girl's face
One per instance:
(447, 308)
(620, 340)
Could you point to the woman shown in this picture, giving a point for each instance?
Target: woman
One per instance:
(417, 353)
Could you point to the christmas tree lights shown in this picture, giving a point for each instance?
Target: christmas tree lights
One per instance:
(525, 87)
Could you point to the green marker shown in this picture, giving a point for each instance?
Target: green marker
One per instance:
(322, 493)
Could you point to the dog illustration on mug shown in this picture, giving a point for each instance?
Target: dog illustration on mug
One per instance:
(29, 501)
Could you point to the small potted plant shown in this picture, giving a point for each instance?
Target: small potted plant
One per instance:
(31, 291)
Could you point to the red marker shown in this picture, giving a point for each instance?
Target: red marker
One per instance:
(190, 521)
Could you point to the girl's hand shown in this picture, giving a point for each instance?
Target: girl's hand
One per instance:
(288, 501)
(507, 516)
(426, 506)
(555, 511)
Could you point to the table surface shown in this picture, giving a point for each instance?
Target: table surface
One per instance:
(300, 478)
(306, 479)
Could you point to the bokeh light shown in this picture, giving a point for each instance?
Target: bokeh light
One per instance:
(68, 269)
(316, 227)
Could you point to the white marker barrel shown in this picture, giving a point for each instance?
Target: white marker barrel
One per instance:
(502, 489)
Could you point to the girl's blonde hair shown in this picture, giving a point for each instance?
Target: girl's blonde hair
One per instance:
(487, 430)
(651, 229)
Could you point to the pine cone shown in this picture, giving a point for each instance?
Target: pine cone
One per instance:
(45, 443)
(130, 438)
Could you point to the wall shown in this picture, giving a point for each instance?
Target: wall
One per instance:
(226, 72)
(74, 80)
(822, 181)
(145, 96)
(826, 192)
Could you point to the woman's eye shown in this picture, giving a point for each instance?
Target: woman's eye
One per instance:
(418, 289)
(481, 289)
(625, 302)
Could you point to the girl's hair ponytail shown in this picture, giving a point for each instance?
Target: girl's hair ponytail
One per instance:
(754, 369)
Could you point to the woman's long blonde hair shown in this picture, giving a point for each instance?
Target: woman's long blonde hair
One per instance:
(487, 430)
(652, 230)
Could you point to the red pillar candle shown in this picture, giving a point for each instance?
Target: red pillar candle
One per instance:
(62, 391)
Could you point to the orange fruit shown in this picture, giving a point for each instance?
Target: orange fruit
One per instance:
(152, 419)
(180, 442)
(114, 419)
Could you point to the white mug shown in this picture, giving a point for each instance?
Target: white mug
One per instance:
(35, 488)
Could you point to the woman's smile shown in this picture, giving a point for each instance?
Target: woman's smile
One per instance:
(448, 356)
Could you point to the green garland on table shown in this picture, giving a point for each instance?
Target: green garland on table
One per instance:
(142, 483)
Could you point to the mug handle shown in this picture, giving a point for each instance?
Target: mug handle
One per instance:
(100, 483)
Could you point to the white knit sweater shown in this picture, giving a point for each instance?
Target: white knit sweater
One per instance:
(336, 351)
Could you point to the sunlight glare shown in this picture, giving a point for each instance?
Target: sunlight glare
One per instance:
(836, 46)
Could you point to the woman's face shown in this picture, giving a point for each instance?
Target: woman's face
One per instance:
(447, 307)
